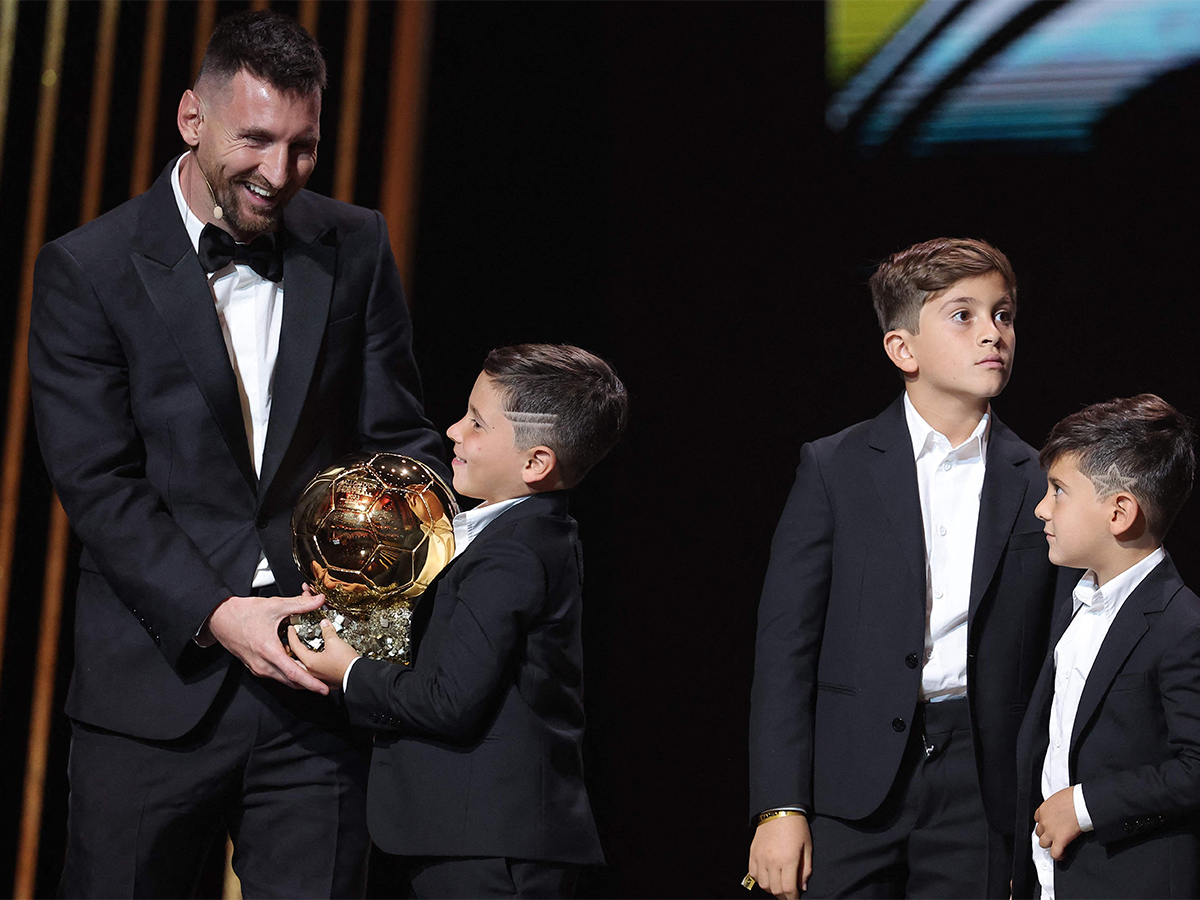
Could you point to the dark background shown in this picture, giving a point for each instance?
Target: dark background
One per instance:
(656, 182)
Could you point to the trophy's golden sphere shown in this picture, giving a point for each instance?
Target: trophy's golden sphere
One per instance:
(372, 531)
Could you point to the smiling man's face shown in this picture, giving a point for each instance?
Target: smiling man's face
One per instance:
(257, 145)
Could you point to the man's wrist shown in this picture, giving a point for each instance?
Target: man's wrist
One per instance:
(204, 636)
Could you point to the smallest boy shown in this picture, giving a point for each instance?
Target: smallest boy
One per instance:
(1110, 747)
(477, 774)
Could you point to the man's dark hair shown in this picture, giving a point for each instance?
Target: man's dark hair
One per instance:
(907, 280)
(268, 45)
(1142, 445)
(561, 397)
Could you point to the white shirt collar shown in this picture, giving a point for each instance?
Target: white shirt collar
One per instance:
(1119, 587)
(926, 438)
(193, 225)
(467, 525)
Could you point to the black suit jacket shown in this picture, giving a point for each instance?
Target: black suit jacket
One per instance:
(140, 424)
(842, 622)
(480, 752)
(1135, 748)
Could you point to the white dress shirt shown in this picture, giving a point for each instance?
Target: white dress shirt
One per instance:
(467, 526)
(949, 480)
(250, 310)
(1093, 611)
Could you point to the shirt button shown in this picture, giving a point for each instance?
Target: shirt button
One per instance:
(898, 724)
(946, 466)
(911, 660)
(942, 530)
(937, 593)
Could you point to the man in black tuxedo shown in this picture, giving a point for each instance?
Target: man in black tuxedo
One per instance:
(905, 613)
(197, 355)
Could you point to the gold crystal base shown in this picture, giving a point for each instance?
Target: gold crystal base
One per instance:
(378, 634)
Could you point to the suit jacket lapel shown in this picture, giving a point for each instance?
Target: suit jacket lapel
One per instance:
(1127, 629)
(309, 259)
(895, 473)
(1004, 487)
(167, 264)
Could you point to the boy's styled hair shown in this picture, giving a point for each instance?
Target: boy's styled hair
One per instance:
(268, 45)
(562, 397)
(905, 281)
(1142, 445)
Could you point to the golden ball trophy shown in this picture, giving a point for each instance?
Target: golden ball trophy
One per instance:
(370, 533)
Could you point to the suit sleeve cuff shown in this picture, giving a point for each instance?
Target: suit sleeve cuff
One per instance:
(1081, 810)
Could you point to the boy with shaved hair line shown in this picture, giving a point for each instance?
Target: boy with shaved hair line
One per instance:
(477, 777)
(1108, 801)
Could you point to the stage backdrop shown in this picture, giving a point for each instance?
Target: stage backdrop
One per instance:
(686, 189)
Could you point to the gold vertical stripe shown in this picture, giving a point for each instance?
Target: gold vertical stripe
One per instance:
(8, 42)
(59, 535)
(345, 168)
(406, 95)
(43, 706)
(102, 79)
(35, 232)
(143, 155)
(308, 16)
(18, 397)
(206, 18)
(232, 887)
(259, 4)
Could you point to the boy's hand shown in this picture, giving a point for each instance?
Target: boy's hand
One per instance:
(1057, 824)
(329, 664)
(781, 855)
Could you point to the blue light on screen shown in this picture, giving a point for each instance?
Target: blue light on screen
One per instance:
(1047, 89)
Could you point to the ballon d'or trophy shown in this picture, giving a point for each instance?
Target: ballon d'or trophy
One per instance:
(371, 533)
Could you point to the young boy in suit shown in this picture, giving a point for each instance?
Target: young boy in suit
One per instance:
(1109, 753)
(905, 613)
(477, 775)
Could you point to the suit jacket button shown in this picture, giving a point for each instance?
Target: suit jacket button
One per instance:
(260, 522)
(1129, 828)
(898, 724)
(911, 660)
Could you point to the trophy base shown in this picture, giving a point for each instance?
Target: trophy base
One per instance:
(379, 634)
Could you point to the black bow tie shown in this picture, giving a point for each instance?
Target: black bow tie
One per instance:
(218, 249)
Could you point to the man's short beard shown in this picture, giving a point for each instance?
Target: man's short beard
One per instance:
(232, 208)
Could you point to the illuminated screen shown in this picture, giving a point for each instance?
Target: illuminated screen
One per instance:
(935, 75)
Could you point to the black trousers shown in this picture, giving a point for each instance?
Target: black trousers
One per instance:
(277, 767)
(449, 878)
(930, 838)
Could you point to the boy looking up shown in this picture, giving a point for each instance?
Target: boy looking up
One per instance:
(477, 775)
(905, 612)
(1110, 747)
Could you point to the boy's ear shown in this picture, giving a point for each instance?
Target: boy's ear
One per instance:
(541, 467)
(1126, 519)
(896, 345)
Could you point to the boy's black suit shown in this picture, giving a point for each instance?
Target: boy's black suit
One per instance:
(486, 761)
(141, 425)
(842, 623)
(1135, 748)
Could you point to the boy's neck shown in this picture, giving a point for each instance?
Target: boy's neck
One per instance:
(955, 417)
(1122, 557)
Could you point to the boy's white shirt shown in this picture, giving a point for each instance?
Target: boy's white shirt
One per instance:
(949, 482)
(467, 526)
(1092, 614)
